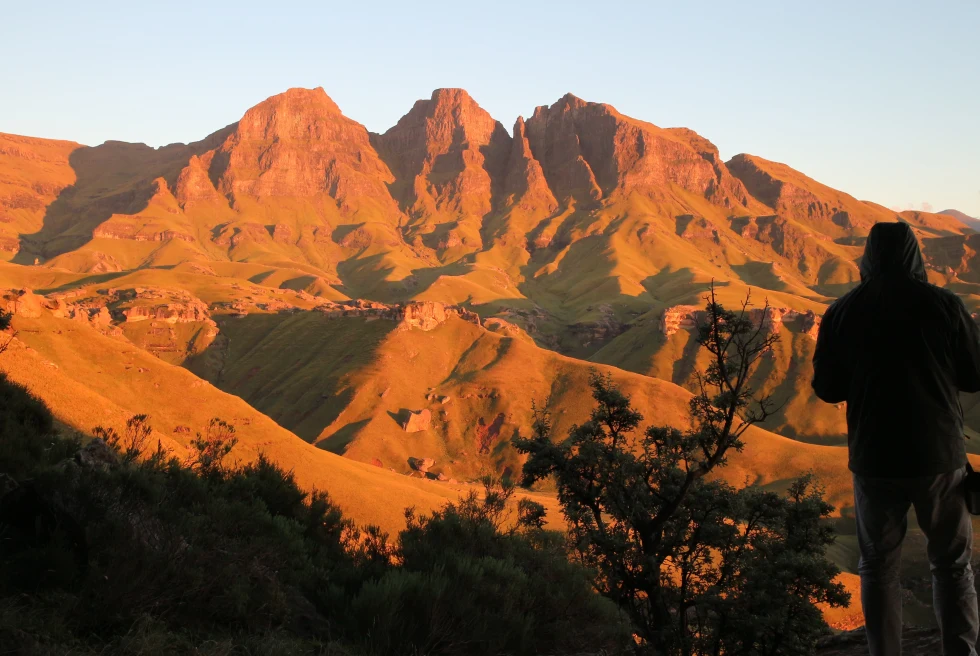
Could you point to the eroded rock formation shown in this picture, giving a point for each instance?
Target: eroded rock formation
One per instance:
(417, 420)
(687, 317)
(448, 156)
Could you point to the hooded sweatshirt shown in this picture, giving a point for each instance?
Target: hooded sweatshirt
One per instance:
(898, 350)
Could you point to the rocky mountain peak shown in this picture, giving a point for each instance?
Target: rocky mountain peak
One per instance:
(299, 144)
(295, 114)
(448, 156)
(589, 151)
(525, 183)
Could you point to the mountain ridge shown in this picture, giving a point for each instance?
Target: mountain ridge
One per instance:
(582, 229)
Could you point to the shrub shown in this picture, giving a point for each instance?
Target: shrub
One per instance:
(467, 586)
(700, 567)
(199, 556)
(26, 440)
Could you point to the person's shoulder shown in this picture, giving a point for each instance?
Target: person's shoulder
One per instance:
(843, 301)
(945, 296)
(947, 299)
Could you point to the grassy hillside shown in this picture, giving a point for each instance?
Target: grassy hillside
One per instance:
(89, 379)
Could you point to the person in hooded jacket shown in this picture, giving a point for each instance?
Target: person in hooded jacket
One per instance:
(899, 350)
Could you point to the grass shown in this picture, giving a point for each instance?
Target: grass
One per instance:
(88, 379)
(305, 389)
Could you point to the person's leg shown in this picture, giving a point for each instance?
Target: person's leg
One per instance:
(881, 508)
(941, 509)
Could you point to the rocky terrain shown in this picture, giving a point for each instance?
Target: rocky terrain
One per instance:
(918, 641)
(401, 299)
(582, 230)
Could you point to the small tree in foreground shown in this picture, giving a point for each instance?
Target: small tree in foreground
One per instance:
(131, 445)
(211, 448)
(699, 566)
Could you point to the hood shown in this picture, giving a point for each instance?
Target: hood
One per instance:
(892, 250)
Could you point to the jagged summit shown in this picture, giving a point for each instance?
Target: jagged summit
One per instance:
(445, 183)
(266, 259)
(299, 144)
(448, 156)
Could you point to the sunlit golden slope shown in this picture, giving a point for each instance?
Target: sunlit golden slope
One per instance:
(88, 379)
(579, 232)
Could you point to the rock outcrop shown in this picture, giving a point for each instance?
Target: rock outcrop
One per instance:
(193, 310)
(503, 327)
(448, 156)
(810, 323)
(421, 464)
(589, 151)
(420, 315)
(298, 144)
(136, 233)
(679, 317)
(487, 434)
(599, 330)
(426, 315)
(22, 303)
(687, 317)
(417, 420)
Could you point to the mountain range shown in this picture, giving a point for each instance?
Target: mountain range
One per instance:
(401, 299)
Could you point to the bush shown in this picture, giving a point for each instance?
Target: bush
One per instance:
(202, 551)
(465, 586)
(144, 553)
(700, 567)
(26, 441)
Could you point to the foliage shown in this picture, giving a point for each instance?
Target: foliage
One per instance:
(5, 318)
(212, 447)
(699, 566)
(132, 443)
(468, 585)
(151, 554)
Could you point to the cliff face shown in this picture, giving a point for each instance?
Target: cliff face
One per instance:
(296, 144)
(448, 155)
(525, 184)
(770, 319)
(444, 185)
(589, 151)
(795, 197)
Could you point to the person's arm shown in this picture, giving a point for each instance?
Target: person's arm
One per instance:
(829, 373)
(966, 354)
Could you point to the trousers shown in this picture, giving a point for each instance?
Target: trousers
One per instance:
(881, 508)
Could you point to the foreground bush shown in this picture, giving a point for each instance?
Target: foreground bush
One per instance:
(701, 568)
(467, 586)
(118, 547)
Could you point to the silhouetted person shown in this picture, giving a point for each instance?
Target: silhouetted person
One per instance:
(899, 350)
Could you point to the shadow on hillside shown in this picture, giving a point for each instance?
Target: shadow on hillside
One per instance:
(364, 278)
(113, 178)
(82, 282)
(294, 367)
(102, 188)
(337, 443)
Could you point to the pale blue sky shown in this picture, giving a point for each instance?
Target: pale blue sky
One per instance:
(880, 99)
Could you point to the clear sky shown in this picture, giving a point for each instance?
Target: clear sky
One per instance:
(880, 99)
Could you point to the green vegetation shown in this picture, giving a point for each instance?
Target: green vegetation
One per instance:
(115, 545)
(699, 566)
(120, 547)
